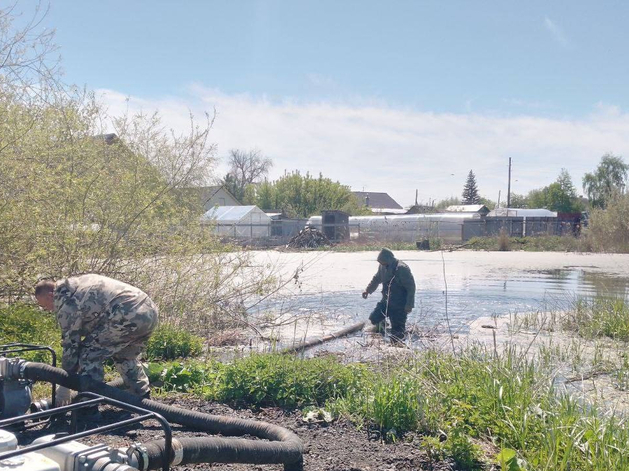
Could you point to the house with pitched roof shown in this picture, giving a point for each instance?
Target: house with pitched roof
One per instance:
(378, 202)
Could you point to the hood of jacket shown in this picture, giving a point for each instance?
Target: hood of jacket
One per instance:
(386, 256)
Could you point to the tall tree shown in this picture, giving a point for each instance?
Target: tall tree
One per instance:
(470, 190)
(609, 177)
(245, 168)
(300, 195)
(519, 201)
(559, 196)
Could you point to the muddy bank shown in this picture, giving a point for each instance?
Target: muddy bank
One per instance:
(336, 446)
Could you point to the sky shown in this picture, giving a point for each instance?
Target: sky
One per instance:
(383, 96)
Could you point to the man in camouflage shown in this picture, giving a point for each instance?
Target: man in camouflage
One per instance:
(398, 295)
(100, 318)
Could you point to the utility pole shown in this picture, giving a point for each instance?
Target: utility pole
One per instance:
(416, 194)
(509, 186)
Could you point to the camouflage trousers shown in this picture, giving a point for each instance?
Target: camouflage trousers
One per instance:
(121, 336)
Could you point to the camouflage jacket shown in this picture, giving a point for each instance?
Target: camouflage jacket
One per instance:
(84, 304)
(398, 284)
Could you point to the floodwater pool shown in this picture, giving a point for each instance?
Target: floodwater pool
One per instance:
(458, 287)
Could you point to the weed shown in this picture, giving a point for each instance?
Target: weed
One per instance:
(504, 244)
(454, 401)
(26, 323)
(169, 343)
(286, 381)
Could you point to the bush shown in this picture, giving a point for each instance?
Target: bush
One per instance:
(504, 243)
(169, 343)
(608, 229)
(24, 323)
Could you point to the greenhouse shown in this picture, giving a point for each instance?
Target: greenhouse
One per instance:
(238, 221)
(406, 228)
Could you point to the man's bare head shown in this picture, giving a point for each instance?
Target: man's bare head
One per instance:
(44, 293)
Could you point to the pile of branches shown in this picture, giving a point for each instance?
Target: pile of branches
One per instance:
(308, 238)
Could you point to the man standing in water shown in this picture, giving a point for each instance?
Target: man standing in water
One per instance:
(398, 295)
(100, 318)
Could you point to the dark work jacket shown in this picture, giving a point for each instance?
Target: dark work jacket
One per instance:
(398, 284)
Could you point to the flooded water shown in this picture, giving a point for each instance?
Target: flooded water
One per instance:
(458, 297)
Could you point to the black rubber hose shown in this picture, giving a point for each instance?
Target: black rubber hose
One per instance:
(283, 446)
(217, 450)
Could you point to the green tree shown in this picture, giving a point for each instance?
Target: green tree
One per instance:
(609, 177)
(470, 190)
(487, 202)
(300, 195)
(560, 196)
(519, 201)
(444, 203)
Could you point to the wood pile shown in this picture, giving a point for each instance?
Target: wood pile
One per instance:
(308, 238)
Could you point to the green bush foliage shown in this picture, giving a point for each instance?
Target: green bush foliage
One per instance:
(170, 343)
(608, 229)
(392, 403)
(179, 377)
(283, 380)
(25, 323)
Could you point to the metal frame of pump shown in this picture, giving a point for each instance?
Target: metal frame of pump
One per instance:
(15, 398)
(225, 440)
(96, 452)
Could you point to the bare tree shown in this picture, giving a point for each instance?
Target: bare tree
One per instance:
(245, 168)
(27, 67)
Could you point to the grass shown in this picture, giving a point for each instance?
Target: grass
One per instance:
(435, 243)
(25, 323)
(529, 244)
(455, 404)
(594, 317)
(600, 316)
(475, 408)
(169, 342)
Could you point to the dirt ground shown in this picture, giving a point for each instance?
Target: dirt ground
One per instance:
(337, 446)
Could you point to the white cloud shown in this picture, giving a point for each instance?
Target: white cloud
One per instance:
(555, 31)
(399, 150)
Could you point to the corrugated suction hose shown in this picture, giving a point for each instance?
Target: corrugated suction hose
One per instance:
(282, 445)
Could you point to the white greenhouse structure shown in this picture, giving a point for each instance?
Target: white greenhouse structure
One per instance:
(240, 222)
(407, 227)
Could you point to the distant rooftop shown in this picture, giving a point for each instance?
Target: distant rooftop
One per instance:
(524, 212)
(468, 208)
(376, 200)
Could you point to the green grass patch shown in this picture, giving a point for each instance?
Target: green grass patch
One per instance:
(170, 343)
(286, 381)
(529, 244)
(455, 403)
(26, 323)
(600, 316)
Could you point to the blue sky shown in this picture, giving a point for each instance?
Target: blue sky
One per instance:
(387, 96)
